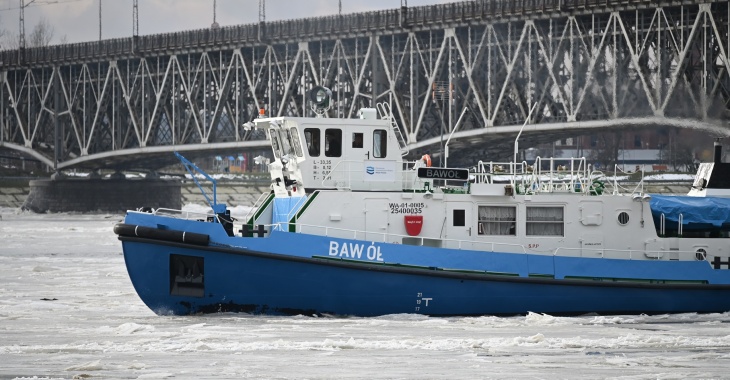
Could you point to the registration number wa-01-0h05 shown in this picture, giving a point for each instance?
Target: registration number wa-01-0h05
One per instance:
(406, 208)
(355, 251)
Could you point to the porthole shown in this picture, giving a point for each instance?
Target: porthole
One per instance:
(701, 254)
(623, 218)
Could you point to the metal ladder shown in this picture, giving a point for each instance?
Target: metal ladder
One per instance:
(385, 113)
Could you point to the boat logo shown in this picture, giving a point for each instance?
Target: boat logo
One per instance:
(370, 170)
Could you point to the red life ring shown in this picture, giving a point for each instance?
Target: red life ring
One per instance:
(426, 160)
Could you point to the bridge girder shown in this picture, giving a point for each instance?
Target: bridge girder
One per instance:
(607, 66)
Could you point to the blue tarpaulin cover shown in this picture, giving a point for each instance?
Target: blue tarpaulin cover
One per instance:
(284, 208)
(694, 210)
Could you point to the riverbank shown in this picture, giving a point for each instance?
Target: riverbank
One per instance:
(14, 191)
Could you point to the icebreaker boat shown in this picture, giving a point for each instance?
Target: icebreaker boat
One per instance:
(349, 227)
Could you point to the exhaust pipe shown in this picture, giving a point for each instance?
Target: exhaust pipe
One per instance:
(718, 151)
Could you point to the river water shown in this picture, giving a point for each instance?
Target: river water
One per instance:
(68, 310)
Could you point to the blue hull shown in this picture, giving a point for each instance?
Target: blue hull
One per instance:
(241, 280)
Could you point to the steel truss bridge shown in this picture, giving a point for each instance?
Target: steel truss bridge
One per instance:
(577, 64)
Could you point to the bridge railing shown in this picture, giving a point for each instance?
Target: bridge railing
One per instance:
(303, 29)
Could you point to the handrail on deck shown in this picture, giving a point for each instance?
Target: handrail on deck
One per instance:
(345, 171)
(543, 176)
(470, 244)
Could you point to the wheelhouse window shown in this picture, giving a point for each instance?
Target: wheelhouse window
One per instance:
(294, 135)
(380, 143)
(286, 143)
(275, 142)
(497, 220)
(333, 142)
(357, 139)
(544, 221)
(311, 136)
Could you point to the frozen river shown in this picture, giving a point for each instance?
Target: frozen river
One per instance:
(68, 310)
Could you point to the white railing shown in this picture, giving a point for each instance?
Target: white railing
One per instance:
(345, 172)
(341, 175)
(681, 224)
(630, 254)
(298, 206)
(472, 245)
(662, 225)
(180, 214)
(187, 215)
(639, 188)
(259, 202)
(551, 175)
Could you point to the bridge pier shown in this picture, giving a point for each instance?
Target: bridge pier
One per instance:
(65, 194)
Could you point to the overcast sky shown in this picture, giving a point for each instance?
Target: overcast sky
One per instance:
(78, 20)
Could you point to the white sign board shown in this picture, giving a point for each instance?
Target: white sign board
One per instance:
(379, 170)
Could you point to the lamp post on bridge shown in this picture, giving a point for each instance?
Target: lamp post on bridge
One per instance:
(21, 18)
(215, 24)
(135, 25)
(21, 24)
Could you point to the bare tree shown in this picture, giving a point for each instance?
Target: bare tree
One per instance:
(688, 148)
(607, 149)
(42, 34)
(10, 40)
(684, 157)
(3, 37)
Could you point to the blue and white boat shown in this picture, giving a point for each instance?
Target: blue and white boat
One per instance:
(349, 227)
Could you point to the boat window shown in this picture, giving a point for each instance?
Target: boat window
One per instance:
(294, 133)
(286, 148)
(311, 135)
(380, 143)
(459, 218)
(275, 142)
(544, 221)
(333, 142)
(357, 140)
(497, 220)
(623, 218)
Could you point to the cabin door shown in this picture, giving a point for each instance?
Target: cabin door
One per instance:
(360, 143)
(459, 225)
(376, 219)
